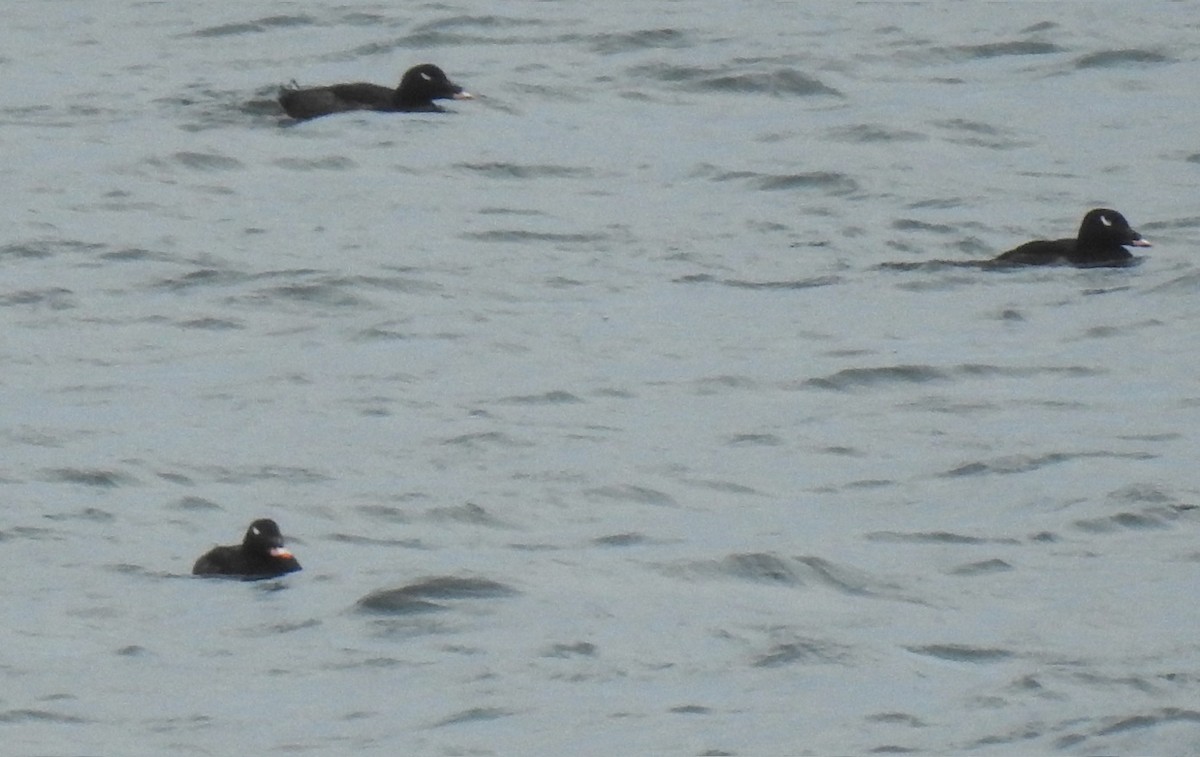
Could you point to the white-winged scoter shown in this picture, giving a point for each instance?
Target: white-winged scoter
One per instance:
(1103, 236)
(260, 555)
(418, 89)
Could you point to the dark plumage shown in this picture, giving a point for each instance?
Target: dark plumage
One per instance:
(419, 87)
(1102, 239)
(260, 555)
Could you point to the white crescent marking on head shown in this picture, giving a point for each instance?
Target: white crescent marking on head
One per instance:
(255, 531)
(426, 76)
(1104, 220)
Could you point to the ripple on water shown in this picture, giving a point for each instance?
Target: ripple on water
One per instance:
(257, 26)
(760, 567)
(89, 477)
(43, 716)
(978, 134)
(1001, 49)
(783, 285)
(93, 514)
(1118, 58)
(631, 493)
(553, 397)
(869, 133)
(622, 540)
(982, 567)
(854, 378)
(203, 277)
(802, 651)
(831, 183)
(523, 236)
(963, 653)
(326, 163)
(1153, 517)
(474, 715)
(577, 649)
(782, 81)
(501, 170)
(1027, 463)
(420, 596)
(468, 512)
(790, 572)
(654, 39)
(935, 537)
(45, 248)
(205, 161)
(212, 324)
(249, 474)
(53, 298)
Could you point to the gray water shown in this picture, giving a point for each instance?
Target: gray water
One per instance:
(597, 409)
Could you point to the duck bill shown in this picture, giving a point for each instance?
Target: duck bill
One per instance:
(1139, 242)
(463, 96)
(281, 552)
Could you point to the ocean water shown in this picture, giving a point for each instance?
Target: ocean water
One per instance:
(635, 407)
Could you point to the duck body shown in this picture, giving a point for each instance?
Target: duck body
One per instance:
(418, 89)
(260, 555)
(1103, 237)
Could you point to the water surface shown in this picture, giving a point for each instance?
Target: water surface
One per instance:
(618, 411)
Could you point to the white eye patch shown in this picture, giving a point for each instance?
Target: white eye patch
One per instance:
(254, 530)
(426, 76)
(1104, 220)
